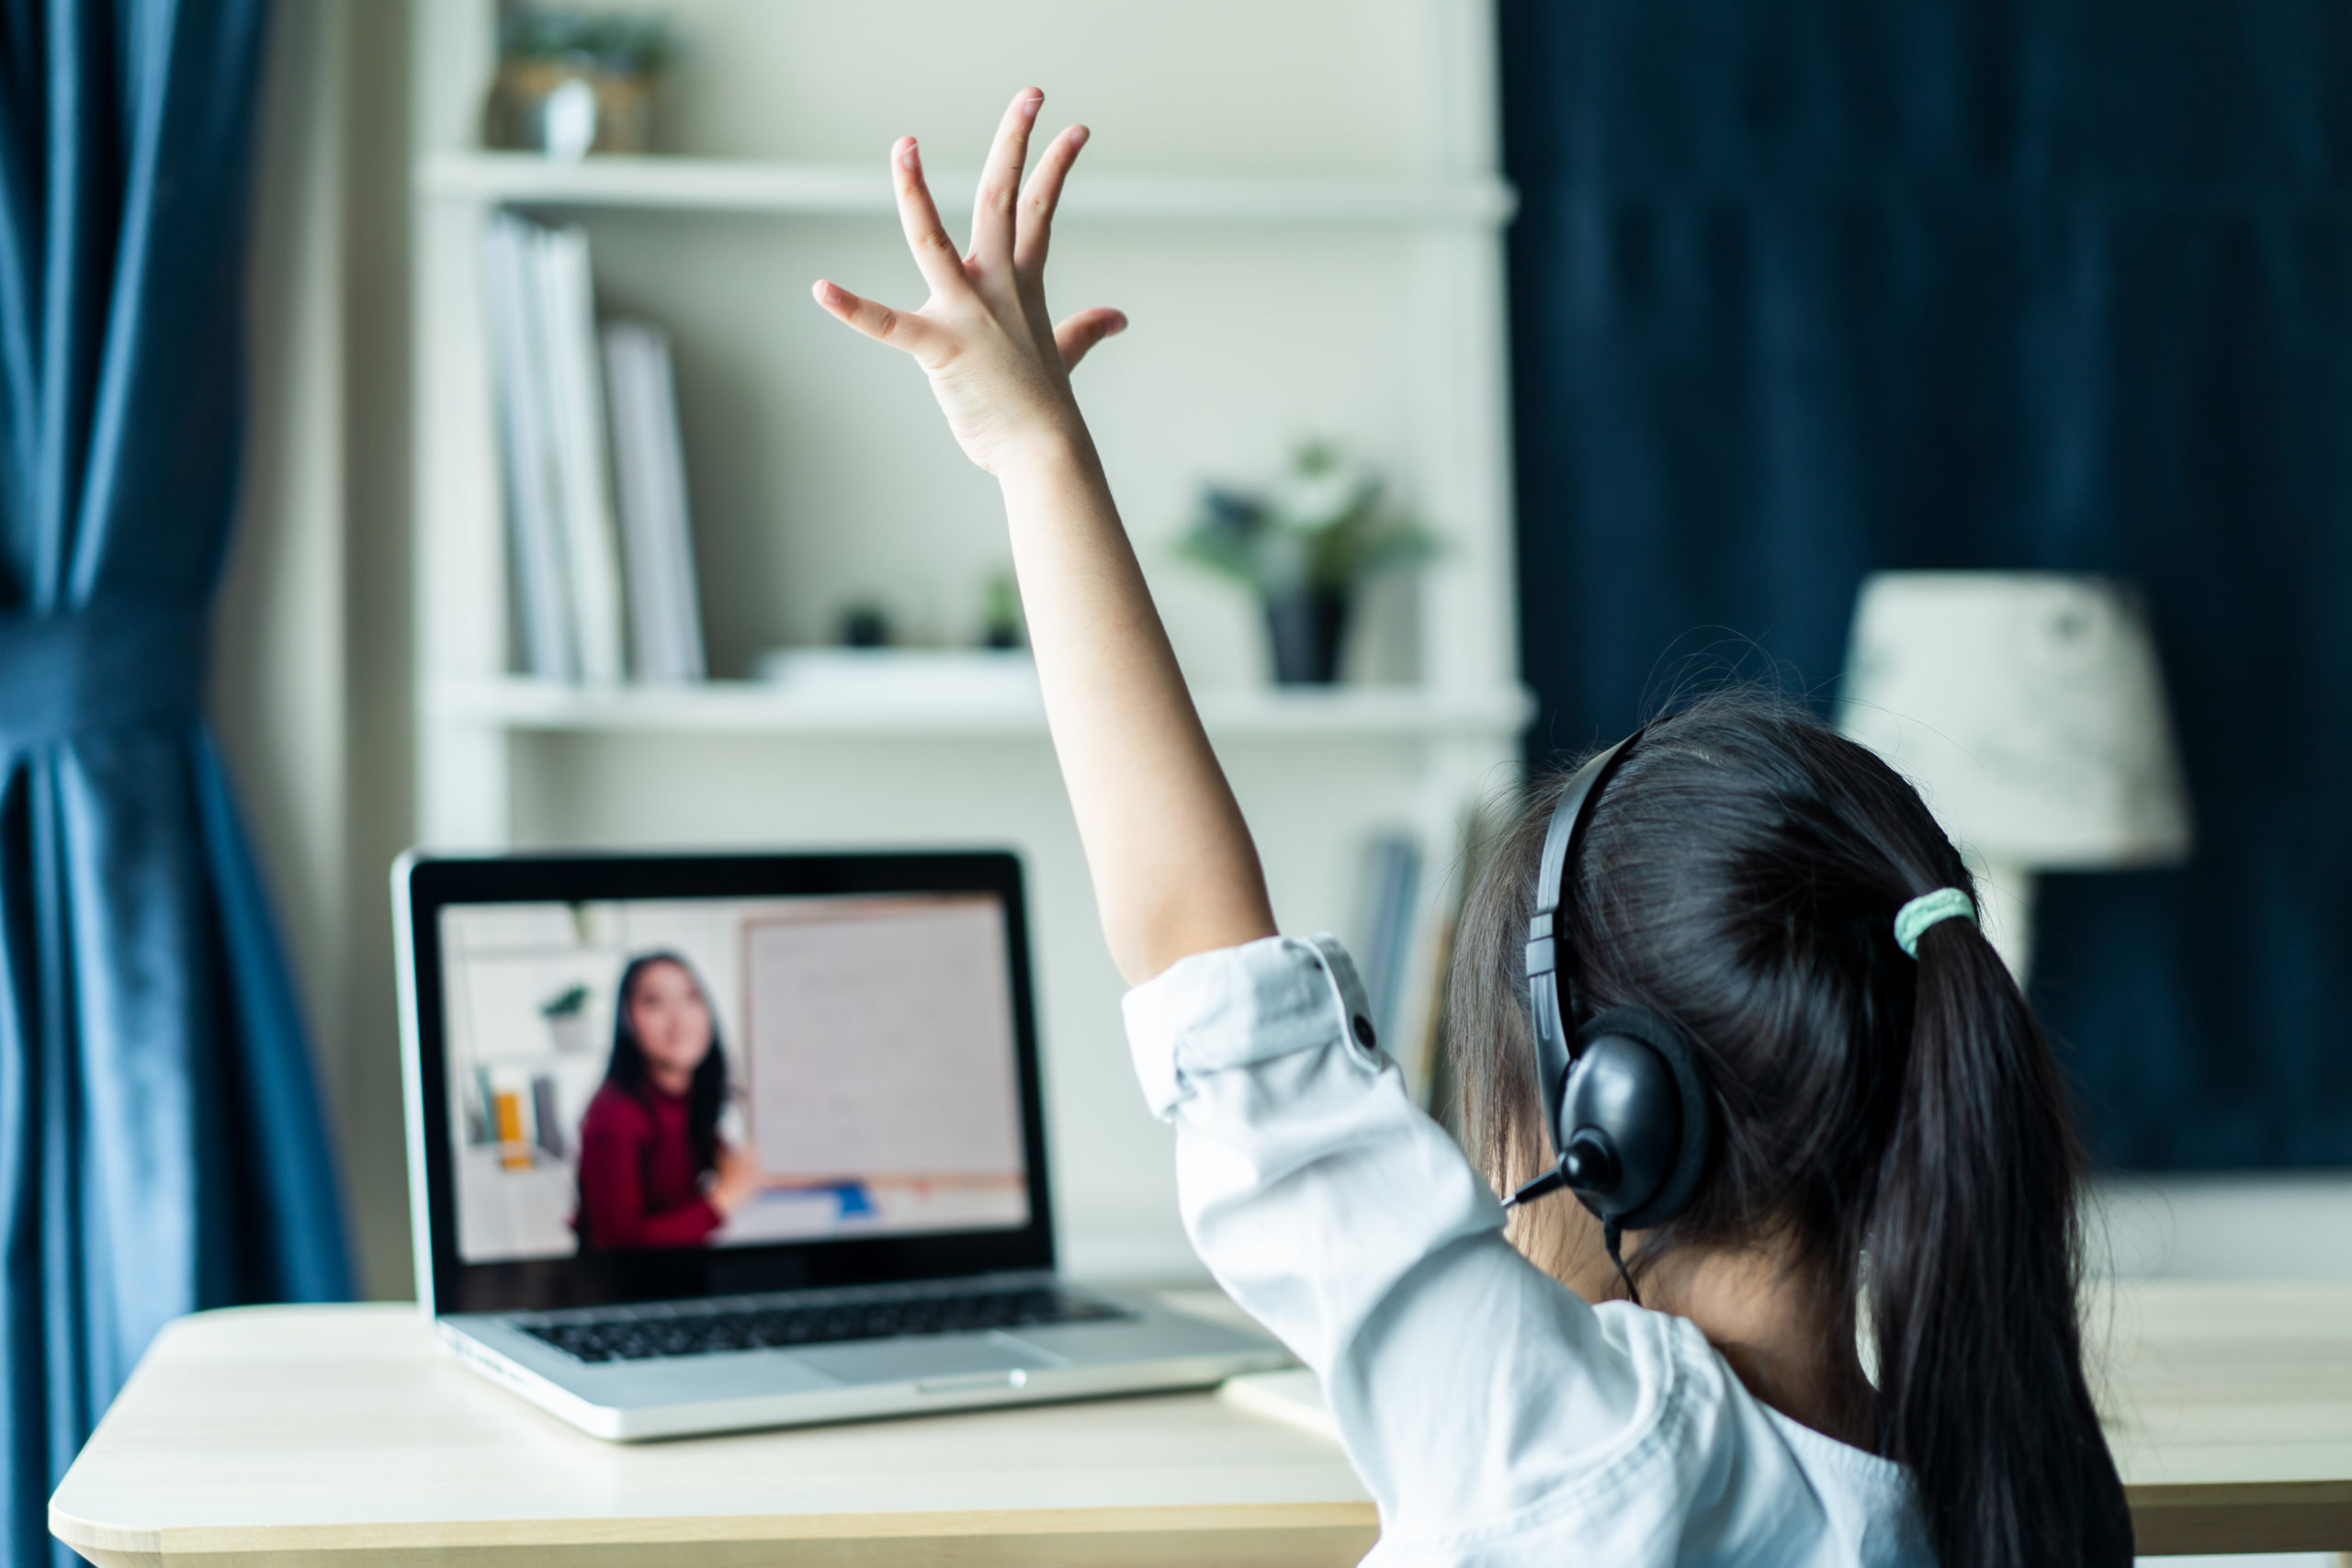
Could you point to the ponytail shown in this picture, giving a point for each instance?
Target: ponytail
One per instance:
(1975, 1257)
(1742, 876)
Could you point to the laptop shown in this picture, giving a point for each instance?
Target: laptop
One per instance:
(701, 1143)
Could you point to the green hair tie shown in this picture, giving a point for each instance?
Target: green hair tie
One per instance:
(1944, 904)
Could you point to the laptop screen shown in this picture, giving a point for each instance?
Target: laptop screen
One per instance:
(623, 1092)
(671, 1073)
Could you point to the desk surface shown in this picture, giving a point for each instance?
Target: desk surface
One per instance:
(2229, 1407)
(296, 1436)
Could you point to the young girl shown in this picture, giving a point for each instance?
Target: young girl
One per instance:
(1889, 1127)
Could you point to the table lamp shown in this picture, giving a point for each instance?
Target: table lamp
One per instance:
(2029, 710)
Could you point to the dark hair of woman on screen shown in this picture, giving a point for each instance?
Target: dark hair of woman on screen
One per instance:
(654, 1171)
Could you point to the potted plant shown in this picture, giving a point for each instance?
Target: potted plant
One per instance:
(573, 81)
(567, 1016)
(1305, 544)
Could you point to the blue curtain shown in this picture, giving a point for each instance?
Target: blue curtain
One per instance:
(1806, 288)
(161, 1146)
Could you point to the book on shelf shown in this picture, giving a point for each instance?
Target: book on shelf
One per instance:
(1479, 831)
(649, 472)
(535, 529)
(1392, 867)
(576, 393)
(598, 526)
(547, 1120)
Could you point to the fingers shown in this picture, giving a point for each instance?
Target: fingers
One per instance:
(919, 216)
(1083, 331)
(899, 329)
(1001, 181)
(1044, 195)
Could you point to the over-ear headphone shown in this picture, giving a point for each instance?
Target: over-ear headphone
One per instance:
(1627, 1107)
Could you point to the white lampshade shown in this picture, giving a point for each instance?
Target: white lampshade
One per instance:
(2028, 709)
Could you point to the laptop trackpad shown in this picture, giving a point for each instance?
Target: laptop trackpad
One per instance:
(918, 1360)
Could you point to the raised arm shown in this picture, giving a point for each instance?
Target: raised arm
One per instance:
(1174, 869)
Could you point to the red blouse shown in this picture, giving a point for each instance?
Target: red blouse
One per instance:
(639, 1184)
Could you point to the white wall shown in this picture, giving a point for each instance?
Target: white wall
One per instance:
(1293, 87)
(279, 656)
(1171, 86)
(2288, 1226)
(309, 683)
(835, 480)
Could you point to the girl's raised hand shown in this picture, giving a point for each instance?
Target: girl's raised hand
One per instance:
(1174, 869)
(998, 365)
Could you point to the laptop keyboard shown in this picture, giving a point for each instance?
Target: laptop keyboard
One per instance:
(836, 1318)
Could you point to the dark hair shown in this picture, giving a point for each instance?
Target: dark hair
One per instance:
(1740, 876)
(706, 1092)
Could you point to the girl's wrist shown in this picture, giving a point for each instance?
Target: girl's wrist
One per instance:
(1053, 450)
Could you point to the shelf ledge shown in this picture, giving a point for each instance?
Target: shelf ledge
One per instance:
(741, 185)
(751, 708)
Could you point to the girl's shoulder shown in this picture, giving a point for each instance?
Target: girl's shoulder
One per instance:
(1681, 1464)
(1806, 1495)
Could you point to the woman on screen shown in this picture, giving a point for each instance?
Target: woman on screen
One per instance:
(654, 1171)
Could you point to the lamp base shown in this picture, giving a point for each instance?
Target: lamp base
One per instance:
(2005, 900)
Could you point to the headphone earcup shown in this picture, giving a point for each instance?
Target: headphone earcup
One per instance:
(1635, 1090)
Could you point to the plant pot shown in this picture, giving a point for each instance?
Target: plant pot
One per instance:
(1306, 629)
(568, 109)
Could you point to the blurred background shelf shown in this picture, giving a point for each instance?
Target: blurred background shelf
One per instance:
(1313, 250)
(779, 189)
(519, 703)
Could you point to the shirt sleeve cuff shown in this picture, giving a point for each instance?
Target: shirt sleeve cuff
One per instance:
(1236, 1007)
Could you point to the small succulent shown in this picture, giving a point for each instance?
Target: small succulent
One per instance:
(1323, 528)
(567, 1003)
(1001, 611)
(624, 44)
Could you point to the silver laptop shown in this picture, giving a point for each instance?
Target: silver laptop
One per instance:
(700, 1143)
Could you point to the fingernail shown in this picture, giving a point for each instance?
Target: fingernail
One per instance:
(1078, 134)
(910, 158)
(1119, 324)
(1030, 103)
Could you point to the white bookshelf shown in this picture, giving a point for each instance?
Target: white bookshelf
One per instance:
(757, 708)
(783, 190)
(1356, 293)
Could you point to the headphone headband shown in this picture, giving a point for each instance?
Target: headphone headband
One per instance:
(1623, 1098)
(1568, 815)
(1555, 1003)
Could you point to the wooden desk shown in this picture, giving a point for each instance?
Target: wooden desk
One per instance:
(304, 1437)
(2229, 1406)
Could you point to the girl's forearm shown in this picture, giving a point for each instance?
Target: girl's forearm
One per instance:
(1174, 869)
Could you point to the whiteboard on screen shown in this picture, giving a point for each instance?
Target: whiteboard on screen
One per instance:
(881, 1042)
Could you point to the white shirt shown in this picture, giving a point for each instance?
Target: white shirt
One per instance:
(1496, 1418)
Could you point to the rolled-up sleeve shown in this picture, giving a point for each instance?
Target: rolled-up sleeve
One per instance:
(1466, 1383)
(1309, 1181)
